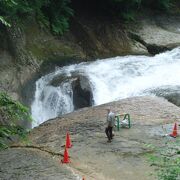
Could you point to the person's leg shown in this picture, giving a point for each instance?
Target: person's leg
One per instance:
(106, 131)
(110, 132)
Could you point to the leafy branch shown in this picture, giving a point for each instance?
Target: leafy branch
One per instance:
(11, 115)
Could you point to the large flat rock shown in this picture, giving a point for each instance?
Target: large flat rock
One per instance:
(27, 164)
(160, 31)
(91, 155)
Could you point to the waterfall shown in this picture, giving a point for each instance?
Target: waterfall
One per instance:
(110, 79)
(51, 101)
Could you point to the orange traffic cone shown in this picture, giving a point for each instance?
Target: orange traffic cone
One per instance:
(174, 133)
(66, 157)
(68, 141)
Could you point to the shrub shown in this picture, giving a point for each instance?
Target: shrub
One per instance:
(54, 13)
(11, 114)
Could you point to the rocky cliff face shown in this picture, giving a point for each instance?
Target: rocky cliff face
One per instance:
(17, 64)
(28, 50)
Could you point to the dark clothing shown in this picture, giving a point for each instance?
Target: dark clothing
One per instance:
(110, 125)
(108, 132)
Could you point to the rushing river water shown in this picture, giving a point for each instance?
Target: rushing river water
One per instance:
(110, 79)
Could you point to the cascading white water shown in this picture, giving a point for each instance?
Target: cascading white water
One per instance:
(110, 79)
(50, 101)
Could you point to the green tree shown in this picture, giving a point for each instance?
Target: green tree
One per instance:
(52, 13)
(159, 4)
(11, 115)
(58, 14)
(55, 14)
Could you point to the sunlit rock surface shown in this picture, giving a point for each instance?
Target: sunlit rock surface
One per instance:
(91, 156)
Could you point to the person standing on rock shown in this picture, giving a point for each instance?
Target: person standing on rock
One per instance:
(110, 124)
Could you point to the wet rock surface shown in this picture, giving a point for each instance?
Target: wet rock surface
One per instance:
(91, 155)
(157, 34)
(82, 93)
(25, 163)
(172, 94)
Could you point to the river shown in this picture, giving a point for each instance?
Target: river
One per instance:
(110, 79)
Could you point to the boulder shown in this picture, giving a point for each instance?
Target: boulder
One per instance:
(157, 32)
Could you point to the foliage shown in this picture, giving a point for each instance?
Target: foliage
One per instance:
(55, 14)
(52, 13)
(58, 13)
(11, 113)
(164, 4)
(167, 163)
(159, 4)
(127, 9)
(3, 21)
